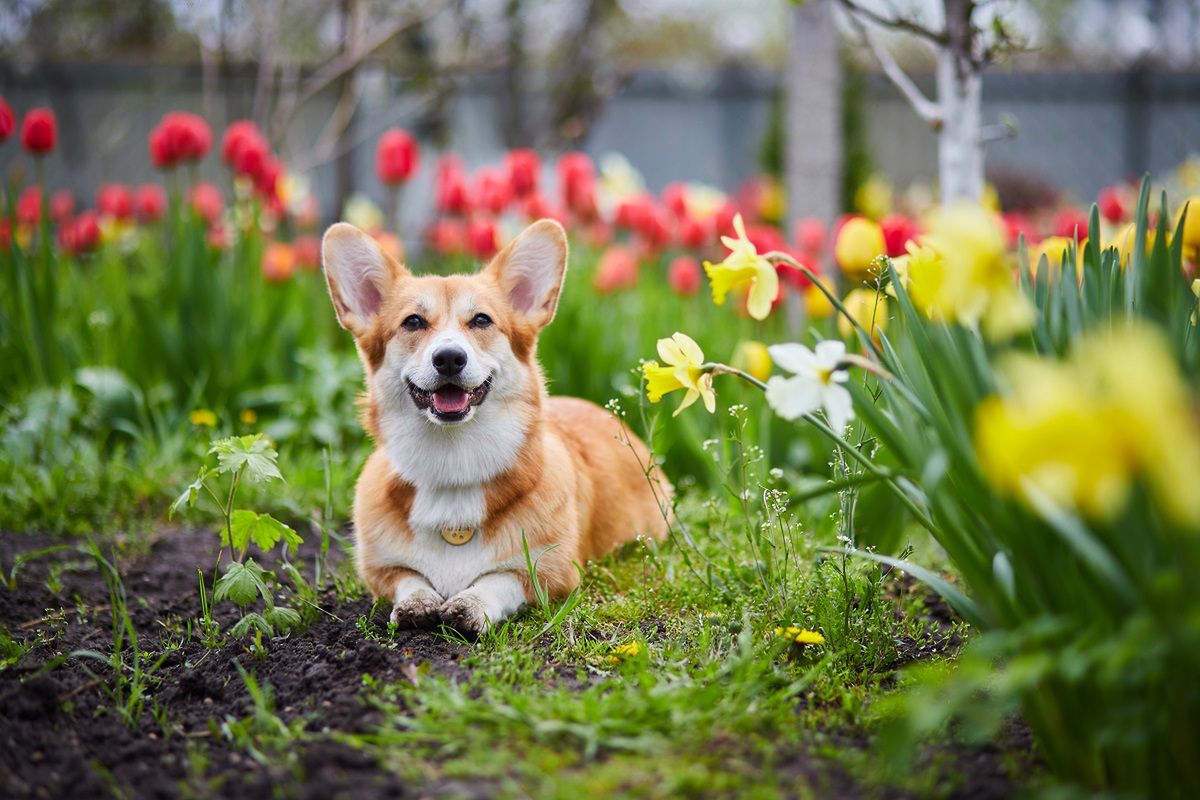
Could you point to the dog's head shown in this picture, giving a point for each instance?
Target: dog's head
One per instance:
(442, 348)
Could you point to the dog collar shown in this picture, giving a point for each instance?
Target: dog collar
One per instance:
(457, 536)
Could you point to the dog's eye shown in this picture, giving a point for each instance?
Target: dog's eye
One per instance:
(480, 321)
(413, 322)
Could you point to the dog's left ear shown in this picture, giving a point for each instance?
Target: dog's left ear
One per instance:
(530, 270)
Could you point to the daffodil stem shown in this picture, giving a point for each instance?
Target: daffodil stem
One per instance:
(777, 256)
(870, 466)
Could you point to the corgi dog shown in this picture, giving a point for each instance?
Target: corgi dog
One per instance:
(473, 461)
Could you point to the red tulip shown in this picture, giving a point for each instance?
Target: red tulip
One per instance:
(793, 276)
(577, 183)
(179, 137)
(452, 194)
(87, 232)
(236, 136)
(1017, 225)
(308, 252)
(81, 235)
(193, 136)
(674, 197)
(523, 170)
(115, 200)
(654, 227)
(162, 149)
(5, 233)
(29, 206)
(397, 157)
(62, 206)
(897, 231)
(765, 238)
(8, 121)
(39, 131)
(150, 202)
(630, 211)
(1071, 222)
(538, 207)
(447, 236)
(684, 275)
(723, 219)
(266, 180)
(491, 191)
(1112, 204)
(693, 233)
(207, 202)
(618, 269)
(809, 235)
(481, 238)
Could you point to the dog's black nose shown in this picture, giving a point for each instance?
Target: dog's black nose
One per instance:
(449, 361)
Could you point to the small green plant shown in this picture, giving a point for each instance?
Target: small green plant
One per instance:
(554, 617)
(132, 668)
(250, 458)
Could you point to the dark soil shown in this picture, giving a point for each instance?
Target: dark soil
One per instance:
(60, 737)
(54, 742)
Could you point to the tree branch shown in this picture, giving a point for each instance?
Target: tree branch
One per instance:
(926, 109)
(1004, 129)
(898, 22)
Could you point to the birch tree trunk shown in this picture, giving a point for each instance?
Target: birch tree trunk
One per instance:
(960, 146)
(813, 113)
(960, 95)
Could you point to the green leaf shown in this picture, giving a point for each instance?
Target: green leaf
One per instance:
(262, 529)
(188, 498)
(968, 608)
(241, 583)
(282, 619)
(251, 454)
(250, 622)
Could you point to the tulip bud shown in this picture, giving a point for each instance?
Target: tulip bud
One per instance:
(39, 132)
(683, 276)
(397, 157)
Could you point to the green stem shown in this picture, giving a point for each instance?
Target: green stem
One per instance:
(776, 256)
(866, 462)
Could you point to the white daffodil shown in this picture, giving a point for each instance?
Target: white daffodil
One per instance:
(816, 382)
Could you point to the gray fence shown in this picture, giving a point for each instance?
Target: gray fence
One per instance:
(1078, 131)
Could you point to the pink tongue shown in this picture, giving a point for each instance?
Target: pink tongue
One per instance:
(450, 400)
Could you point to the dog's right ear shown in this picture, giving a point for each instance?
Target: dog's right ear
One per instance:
(360, 275)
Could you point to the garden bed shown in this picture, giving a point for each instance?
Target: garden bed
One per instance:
(63, 737)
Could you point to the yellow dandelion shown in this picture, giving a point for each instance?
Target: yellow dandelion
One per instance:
(203, 418)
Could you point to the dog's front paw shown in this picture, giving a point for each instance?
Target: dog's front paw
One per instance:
(420, 609)
(465, 613)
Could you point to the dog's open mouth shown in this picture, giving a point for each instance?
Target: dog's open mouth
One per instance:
(449, 402)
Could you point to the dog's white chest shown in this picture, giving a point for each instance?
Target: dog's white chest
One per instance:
(449, 568)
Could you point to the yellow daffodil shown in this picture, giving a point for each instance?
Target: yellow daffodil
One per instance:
(1080, 431)
(754, 359)
(744, 267)
(683, 371)
(959, 272)
(1051, 436)
(203, 418)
